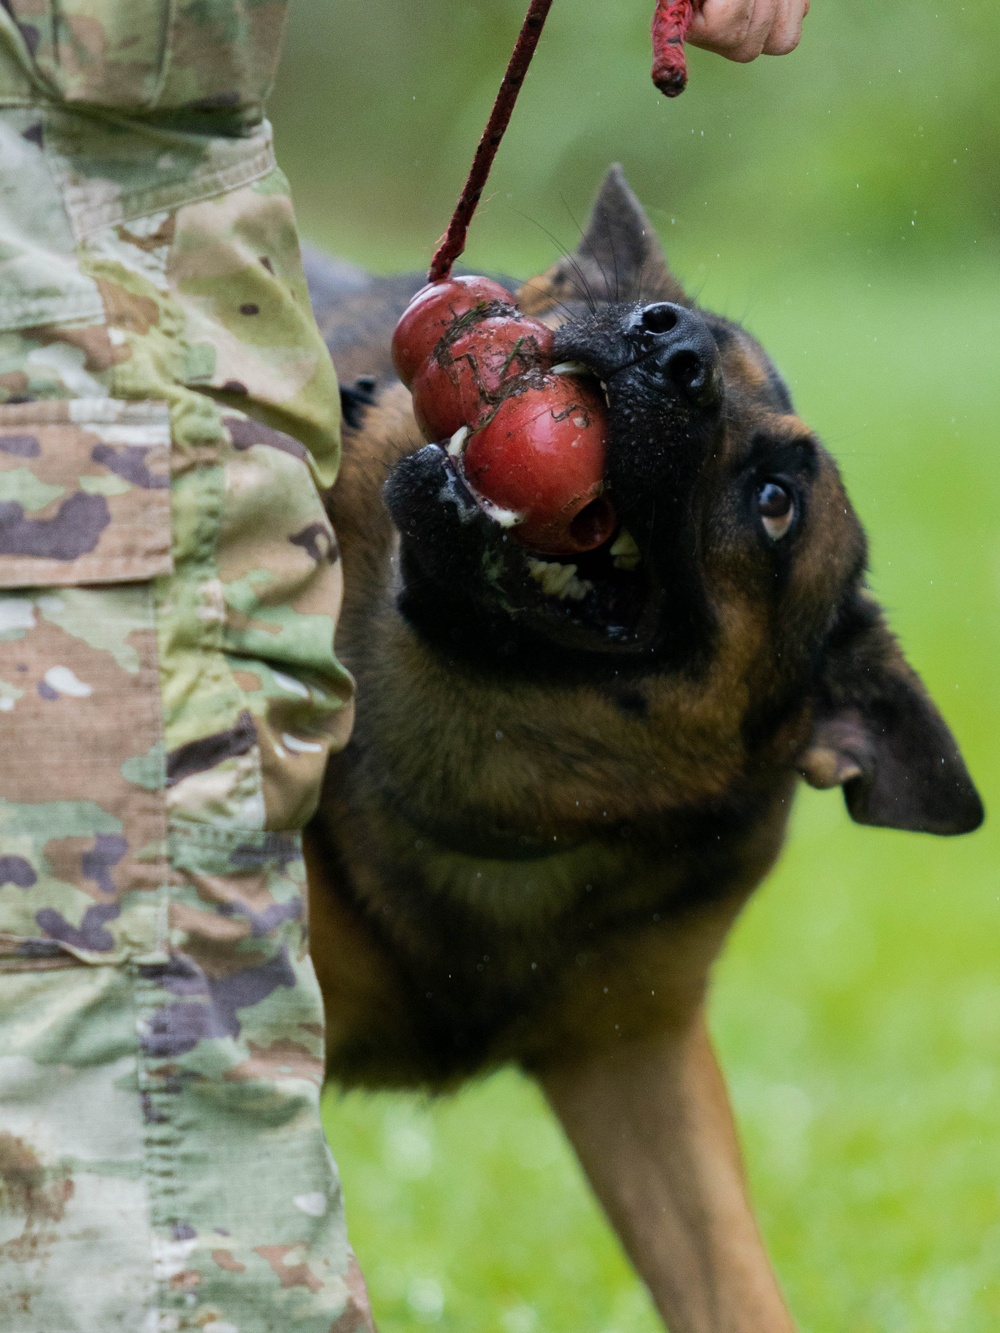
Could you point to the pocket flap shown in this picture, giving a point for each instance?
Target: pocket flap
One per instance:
(84, 492)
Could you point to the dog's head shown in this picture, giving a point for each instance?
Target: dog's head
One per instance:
(738, 568)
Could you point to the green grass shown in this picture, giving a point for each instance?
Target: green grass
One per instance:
(857, 1008)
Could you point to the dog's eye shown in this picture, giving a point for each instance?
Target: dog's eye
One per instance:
(776, 507)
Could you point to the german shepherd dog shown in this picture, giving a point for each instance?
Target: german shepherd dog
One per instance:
(567, 776)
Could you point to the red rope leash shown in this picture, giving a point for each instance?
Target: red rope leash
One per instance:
(453, 242)
(670, 25)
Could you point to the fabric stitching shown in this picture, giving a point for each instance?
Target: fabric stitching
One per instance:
(152, 698)
(27, 314)
(85, 571)
(79, 411)
(167, 55)
(161, 1136)
(132, 207)
(203, 566)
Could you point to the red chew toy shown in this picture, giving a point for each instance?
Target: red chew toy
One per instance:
(433, 312)
(536, 441)
(464, 379)
(542, 455)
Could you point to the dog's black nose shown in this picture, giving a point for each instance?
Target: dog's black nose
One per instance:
(678, 344)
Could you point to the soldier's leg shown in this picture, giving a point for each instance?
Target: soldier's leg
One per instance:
(168, 696)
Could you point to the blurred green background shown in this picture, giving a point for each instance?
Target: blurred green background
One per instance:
(843, 203)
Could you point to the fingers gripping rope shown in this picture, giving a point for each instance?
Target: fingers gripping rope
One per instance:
(670, 25)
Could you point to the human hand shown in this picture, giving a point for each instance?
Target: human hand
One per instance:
(744, 29)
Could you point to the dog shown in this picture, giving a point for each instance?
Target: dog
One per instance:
(567, 776)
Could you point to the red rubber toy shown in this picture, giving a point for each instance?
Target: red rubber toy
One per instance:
(542, 455)
(433, 312)
(465, 378)
(536, 441)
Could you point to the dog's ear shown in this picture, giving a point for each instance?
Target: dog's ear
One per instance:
(619, 258)
(878, 735)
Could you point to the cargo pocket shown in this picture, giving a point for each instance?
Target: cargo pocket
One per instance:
(277, 582)
(84, 529)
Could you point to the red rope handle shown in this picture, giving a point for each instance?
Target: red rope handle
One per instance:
(670, 24)
(452, 243)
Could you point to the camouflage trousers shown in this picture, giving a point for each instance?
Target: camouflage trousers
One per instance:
(168, 697)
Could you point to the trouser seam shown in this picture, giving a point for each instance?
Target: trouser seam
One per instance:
(161, 1140)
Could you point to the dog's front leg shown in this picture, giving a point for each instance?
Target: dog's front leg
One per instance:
(651, 1124)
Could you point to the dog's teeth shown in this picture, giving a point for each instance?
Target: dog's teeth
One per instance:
(558, 580)
(625, 554)
(569, 368)
(576, 589)
(551, 575)
(625, 544)
(507, 518)
(457, 442)
(504, 517)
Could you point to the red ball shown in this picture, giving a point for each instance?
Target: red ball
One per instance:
(432, 312)
(464, 380)
(542, 455)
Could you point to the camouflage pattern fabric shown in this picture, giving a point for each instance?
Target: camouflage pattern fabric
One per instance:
(168, 688)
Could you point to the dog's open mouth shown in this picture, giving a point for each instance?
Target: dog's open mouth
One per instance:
(606, 591)
(605, 588)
